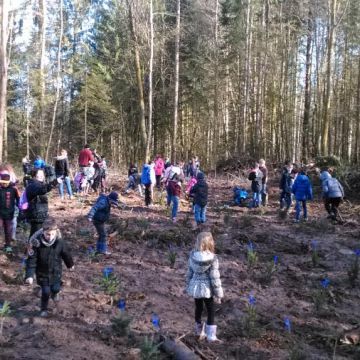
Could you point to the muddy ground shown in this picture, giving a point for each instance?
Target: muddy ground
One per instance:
(141, 242)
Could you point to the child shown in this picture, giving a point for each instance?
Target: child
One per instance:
(255, 177)
(99, 214)
(303, 191)
(134, 179)
(46, 250)
(159, 169)
(203, 284)
(189, 186)
(62, 172)
(200, 195)
(146, 181)
(174, 187)
(240, 195)
(333, 193)
(286, 183)
(9, 201)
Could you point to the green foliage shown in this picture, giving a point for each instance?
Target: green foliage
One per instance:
(252, 257)
(121, 325)
(172, 254)
(110, 285)
(4, 312)
(250, 325)
(149, 350)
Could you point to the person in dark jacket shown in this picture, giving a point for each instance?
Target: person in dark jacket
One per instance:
(62, 172)
(285, 186)
(46, 251)
(199, 193)
(99, 214)
(333, 193)
(302, 190)
(134, 179)
(174, 190)
(38, 201)
(9, 201)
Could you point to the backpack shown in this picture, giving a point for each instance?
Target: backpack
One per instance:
(252, 175)
(145, 175)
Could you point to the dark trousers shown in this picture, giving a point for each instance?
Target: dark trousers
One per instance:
(101, 243)
(158, 181)
(199, 306)
(331, 205)
(46, 291)
(35, 226)
(8, 226)
(147, 194)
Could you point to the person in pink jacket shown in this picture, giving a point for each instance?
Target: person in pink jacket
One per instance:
(159, 169)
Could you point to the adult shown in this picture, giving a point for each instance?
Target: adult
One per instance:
(62, 172)
(263, 169)
(38, 201)
(85, 156)
(159, 169)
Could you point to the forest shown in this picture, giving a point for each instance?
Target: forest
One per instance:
(215, 78)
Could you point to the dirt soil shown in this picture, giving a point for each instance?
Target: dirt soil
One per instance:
(141, 241)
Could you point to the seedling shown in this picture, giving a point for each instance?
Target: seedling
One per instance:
(321, 296)
(314, 253)
(121, 305)
(172, 254)
(252, 257)
(155, 320)
(251, 316)
(91, 253)
(287, 325)
(353, 272)
(109, 283)
(121, 325)
(149, 350)
(271, 269)
(4, 312)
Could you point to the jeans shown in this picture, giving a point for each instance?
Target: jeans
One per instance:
(256, 199)
(264, 194)
(168, 197)
(8, 226)
(66, 180)
(46, 291)
(175, 201)
(298, 209)
(285, 199)
(101, 243)
(199, 305)
(200, 214)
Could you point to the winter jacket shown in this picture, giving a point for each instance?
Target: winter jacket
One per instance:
(38, 202)
(62, 166)
(331, 187)
(9, 199)
(46, 261)
(133, 171)
(152, 174)
(85, 156)
(286, 181)
(203, 276)
(302, 188)
(146, 174)
(256, 177)
(264, 171)
(190, 184)
(200, 193)
(159, 166)
(101, 209)
(174, 188)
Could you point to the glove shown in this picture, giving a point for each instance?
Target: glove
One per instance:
(29, 281)
(217, 300)
(72, 268)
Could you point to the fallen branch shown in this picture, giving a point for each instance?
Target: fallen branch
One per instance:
(178, 350)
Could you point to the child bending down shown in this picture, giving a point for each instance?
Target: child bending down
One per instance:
(204, 285)
(46, 251)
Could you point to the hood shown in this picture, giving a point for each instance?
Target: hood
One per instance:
(325, 175)
(302, 178)
(200, 261)
(200, 176)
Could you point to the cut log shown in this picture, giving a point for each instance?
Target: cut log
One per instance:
(178, 350)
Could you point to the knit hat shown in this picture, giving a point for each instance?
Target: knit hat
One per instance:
(114, 198)
(200, 176)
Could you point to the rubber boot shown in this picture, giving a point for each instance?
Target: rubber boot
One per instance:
(211, 333)
(200, 331)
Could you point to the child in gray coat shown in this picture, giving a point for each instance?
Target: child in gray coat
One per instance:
(203, 284)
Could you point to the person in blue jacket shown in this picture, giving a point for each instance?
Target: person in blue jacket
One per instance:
(302, 191)
(39, 163)
(99, 214)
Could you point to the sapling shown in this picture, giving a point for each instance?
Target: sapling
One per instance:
(252, 257)
(314, 253)
(172, 254)
(271, 269)
(321, 296)
(4, 312)
(353, 272)
(109, 283)
(149, 350)
(251, 316)
(121, 325)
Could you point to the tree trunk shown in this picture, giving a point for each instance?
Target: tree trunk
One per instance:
(176, 91)
(3, 70)
(58, 82)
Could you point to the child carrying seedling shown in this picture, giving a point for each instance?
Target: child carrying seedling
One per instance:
(9, 200)
(200, 195)
(46, 251)
(204, 285)
(99, 214)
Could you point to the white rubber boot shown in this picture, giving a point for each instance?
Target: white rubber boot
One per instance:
(200, 331)
(211, 333)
